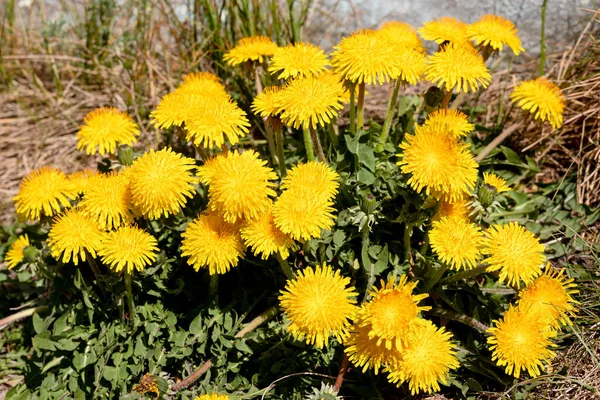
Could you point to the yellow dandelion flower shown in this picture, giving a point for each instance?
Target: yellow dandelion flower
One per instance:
(43, 192)
(298, 59)
(83, 180)
(104, 129)
(265, 238)
(541, 98)
(366, 57)
(253, 48)
(363, 351)
(391, 311)
(456, 242)
(210, 121)
(318, 176)
(265, 103)
(402, 35)
(173, 109)
(202, 84)
(438, 163)
(446, 208)
(319, 304)
(161, 181)
(495, 182)
(212, 396)
(302, 213)
(519, 341)
(72, 234)
(128, 248)
(14, 255)
(549, 297)
(411, 65)
(108, 201)
(514, 252)
(449, 120)
(239, 186)
(444, 29)
(496, 32)
(212, 243)
(426, 359)
(458, 67)
(310, 101)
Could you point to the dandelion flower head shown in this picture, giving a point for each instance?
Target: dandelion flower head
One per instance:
(104, 129)
(265, 103)
(457, 242)
(84, 180)
(520, 342)
(14, 255)
(402, 35)
(108, 201)
(541, 98)
(212, 396)
(496, 32)
(298, 59)
(363, 350)
(318, 176)
(446, 208)
(254, 48)
(319, 303)
(453, 121)
(444, 29)
(513, 251)
(427, 358)
(265, 238)
(43, 192)
(202, 84)
(495, 182)
(72, 235)
(212, 243)
(128, 248)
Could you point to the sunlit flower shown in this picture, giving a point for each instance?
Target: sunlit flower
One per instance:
(83, 180)
(496, 32)
(202, 84)
(298, 59)
(363, 350)
(239, 185)
(265, 238)
(317, 176)
(161, 181)
(427, 358)
(174, 108)
(319, 304)
(402, 35)
(391, 311)
(108, 201)
(446, 208)
(211, 121)
(411, 65)
(43, 192)
(438, 163)
(72, 235)
(496, 182)
(541, 98)
(458, 67)
(549, 297)
(128, 248)
(212, 396)
(457, 242)
(303, 213)
(520, 341)
(366, 56)
(104, 129)
(253, 48)
(444, 29)
(14, 255)
(212, 243)
(310, 101)
(448, 120)
(265, 103)
(514, 252)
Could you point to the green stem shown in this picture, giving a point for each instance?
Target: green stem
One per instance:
(543, 39)
(361, 106)
(465, 274)
(472, 322)
(353, 108)
(270, 142)
(213, 286)
(129, 293)
(435, 277)
(390, 112)
(332, 134)
(93, 265)
(280, 154)
(317, 142)
(407, 249)
(310, 154)
(285, 266)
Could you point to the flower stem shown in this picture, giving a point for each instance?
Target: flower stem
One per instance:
(285, 266)
(361, 106)
(390, 112)
(317, 142)
(465, 274)
(129, 293)
(280, 153)
(310, 154)
(353, 108)
(213, 286)
(446, 100)
(435, 277)
(407, 234)
(270, 142)
(462, 318)
(343, 370)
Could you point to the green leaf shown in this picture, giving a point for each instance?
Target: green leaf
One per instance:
(38, 323)
(42, 341)
(243, 347)
(366, 156)
(60, 325)
(196, 327)
(366, 177)
(382, 260)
